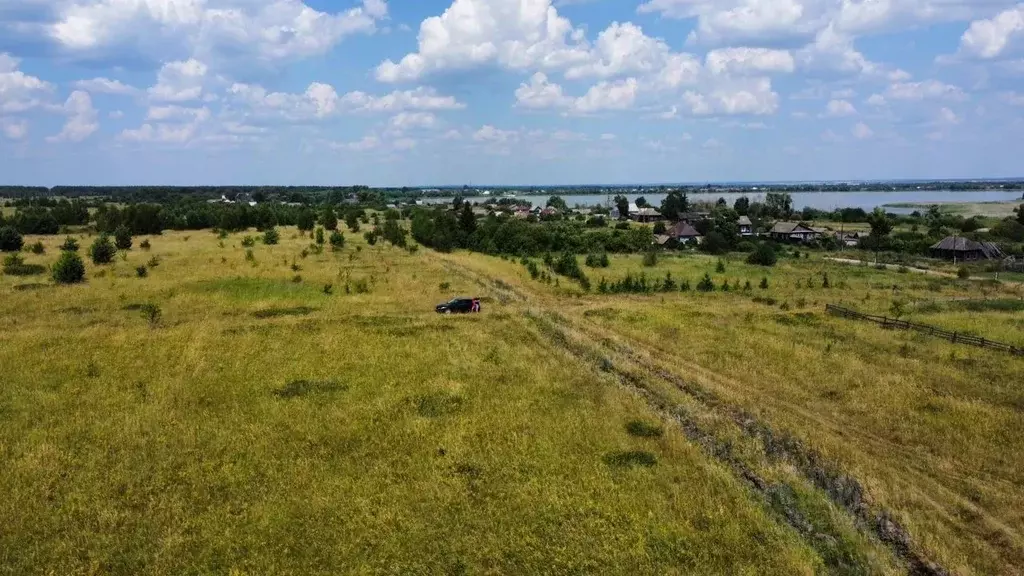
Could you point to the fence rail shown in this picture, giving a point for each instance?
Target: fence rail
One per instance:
(954, 337)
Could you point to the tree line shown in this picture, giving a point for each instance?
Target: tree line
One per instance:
(445, 229)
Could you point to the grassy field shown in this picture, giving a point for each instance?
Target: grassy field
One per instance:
(932, 430)
(262, 426)
(966, 209)
(262, 423)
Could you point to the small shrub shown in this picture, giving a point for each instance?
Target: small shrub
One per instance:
(684, 286)
(328, 289)
(720, 267)
(824, 281)
(145, 245)
(123, 238)
(784, 307)
(249, 256)
(706, 284)
(152, 313)
(337, 240)
(10, 239)
(642, 429)
(69, 268)
(102, 250)
(271, 236)
(38, 248)
(320, 236)
(361, 286)
(725, 285)
(69, 245)
(297, 279)
(650, 259)
(248, 242)
(444, 286)
(764, 283)
(222, 234)
(668, 284)
(296, 267)
(153, 262)
(141, 271)
(748, 286)
(963, 273)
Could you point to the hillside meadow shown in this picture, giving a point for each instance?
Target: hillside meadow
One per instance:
(291, 412)
(932, 430)
(255, 424)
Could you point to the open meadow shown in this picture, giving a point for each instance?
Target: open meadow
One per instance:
(274, 410)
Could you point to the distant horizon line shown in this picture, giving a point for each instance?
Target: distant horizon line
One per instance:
(747, 183)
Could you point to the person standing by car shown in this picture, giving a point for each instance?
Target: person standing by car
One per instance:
(476, 305)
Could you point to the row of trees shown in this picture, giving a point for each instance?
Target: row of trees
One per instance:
(445, 230)
(152, 219)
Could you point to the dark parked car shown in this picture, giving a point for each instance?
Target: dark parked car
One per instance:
(459, 306)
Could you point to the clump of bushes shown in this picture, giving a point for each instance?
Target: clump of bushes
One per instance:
(10, 239)
(102, 250)
(597, 260)
(567, 265)
(271, 236)
(69, 268)
(337, 239)
(763, 256)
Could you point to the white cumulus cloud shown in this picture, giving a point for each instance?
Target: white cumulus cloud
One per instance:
(749, 60)
(82, 119)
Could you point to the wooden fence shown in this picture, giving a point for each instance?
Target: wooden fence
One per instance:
(954, 337)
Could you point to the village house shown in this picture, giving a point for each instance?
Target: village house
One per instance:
(746, 226)
(793, 232)
(646, 214)
(684, 233)
(961, 249)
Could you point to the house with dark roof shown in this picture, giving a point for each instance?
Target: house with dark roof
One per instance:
(746, 226)
(793, 232)
(684, 233)
(959, 249)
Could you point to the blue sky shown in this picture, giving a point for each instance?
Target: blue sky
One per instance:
(439, 92)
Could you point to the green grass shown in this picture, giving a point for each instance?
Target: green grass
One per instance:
(258, 425)
(366, 434)
(930, 428)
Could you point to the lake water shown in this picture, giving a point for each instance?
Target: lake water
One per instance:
(819, 200)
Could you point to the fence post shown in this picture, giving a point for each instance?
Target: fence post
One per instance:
(954, 337)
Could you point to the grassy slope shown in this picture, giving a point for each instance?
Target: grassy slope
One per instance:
(932, 429)
(424, 444)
